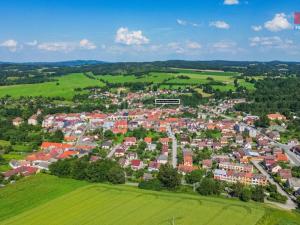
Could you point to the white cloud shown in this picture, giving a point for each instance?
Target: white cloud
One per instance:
(219, 24)
(272, 42)
(32, 43)
(181, 22)
(86, 44)
(226, 46)
(56, 46)
(135, 37)
(231, 2)
(278, 23)
(188, 47)
(256, 28)
(176, 46)
(193, 45)
(187, 23)
(10, 44)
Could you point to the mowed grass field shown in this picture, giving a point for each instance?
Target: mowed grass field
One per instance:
(51, 89)
(35, 200)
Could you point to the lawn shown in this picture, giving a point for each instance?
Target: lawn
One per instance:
(18, 147)
(51, 89)
(44, 199)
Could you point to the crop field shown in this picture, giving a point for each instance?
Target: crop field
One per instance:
(65, 87)
(44, 199)
(33, 191)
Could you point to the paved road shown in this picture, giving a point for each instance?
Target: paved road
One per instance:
(289, 204)
(79, 140)
(174, 147)
(112, 152)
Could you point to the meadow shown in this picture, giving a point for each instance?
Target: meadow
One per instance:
(44, 199)
(64, 87)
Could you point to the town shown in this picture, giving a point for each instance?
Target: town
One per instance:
(213, 138)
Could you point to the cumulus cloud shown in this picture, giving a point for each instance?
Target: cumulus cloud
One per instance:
(219, 24)
(256, 28)
(231, 2)
(127, 37)
(32, 43)
(86, 44)
(271, 42)
(56, 46)
(278, 23)
(10, 44)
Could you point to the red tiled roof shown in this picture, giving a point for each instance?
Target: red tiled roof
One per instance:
(135, 162)
(24, 170)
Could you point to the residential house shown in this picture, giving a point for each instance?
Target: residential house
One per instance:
(276, 116)
(23, 170)
(285, 174)
(33, 120)
(294, 183)
(153, 166)
(162, 159)
(136, 164)
(129, 141)
(17, 121)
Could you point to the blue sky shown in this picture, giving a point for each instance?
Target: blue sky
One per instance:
(147, 30)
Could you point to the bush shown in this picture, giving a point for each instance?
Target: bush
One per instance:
(246, 195)
(194, 177)
(116, 175)
(209, 186)
(153, 184)
(277, 197)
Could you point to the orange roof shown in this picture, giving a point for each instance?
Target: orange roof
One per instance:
(129, 139)
(148, 139)
(70, 138)
(119, 131)
(276, 116)
(55, 145)
(163, 140)
(162, 129)
(67, 154)
(211, 126)
(172, 120)
(281, 157)
(98, 116)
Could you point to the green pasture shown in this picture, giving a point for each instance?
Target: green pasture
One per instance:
(64, 87)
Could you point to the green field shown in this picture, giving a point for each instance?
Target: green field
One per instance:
(65, 85)
(33, 191)
(51, 89)
(152, 77)
(44, 199)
